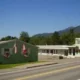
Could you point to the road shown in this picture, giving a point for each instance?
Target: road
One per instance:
(62, 71)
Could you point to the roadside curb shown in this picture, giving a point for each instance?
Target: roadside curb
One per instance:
(35, 65)
(41, 65)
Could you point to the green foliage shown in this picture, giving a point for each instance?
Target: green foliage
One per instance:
(77, 35)
(34, 40)
(24, 36)
(55, 38)
(64, 39)
(71, 36)
(67, 38)
(49, 40)
(8, 38)
(38, 40)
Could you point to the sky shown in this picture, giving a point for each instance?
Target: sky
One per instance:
(37, 16)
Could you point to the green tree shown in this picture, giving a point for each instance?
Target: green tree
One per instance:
(49, 40)
(24, 36)
(34, 40)
(55, 38)
(42, 40)
(65, 39)
(77, 35)
(68, 38)
(8, 38)
(71, 36)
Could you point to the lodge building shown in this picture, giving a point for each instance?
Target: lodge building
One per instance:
(69, 51)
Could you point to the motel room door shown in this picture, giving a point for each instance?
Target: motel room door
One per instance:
(74, 51)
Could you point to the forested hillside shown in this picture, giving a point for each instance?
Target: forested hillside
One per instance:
(66, 36)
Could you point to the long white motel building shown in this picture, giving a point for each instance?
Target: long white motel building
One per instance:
(69, 51)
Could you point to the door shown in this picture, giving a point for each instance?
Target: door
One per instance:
(74, 52)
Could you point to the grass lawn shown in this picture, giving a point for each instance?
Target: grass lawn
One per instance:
(6, 66)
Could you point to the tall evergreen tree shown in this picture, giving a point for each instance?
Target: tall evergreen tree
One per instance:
(71, 36)
(24, 36)
(55, 38)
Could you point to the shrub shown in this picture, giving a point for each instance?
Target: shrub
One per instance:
(60, 57)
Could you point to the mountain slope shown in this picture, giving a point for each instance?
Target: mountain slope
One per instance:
(76, 30)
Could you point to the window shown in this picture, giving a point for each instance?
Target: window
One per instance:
(6, 52)
(47, 51)
(51, 51)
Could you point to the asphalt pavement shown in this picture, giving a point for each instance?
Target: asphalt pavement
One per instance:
(69, 70)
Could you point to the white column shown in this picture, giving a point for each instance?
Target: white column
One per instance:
(72, 52)
(40, 51)
(55, 51)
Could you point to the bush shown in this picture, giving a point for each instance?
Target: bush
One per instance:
(1, 63)
(60, 57)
